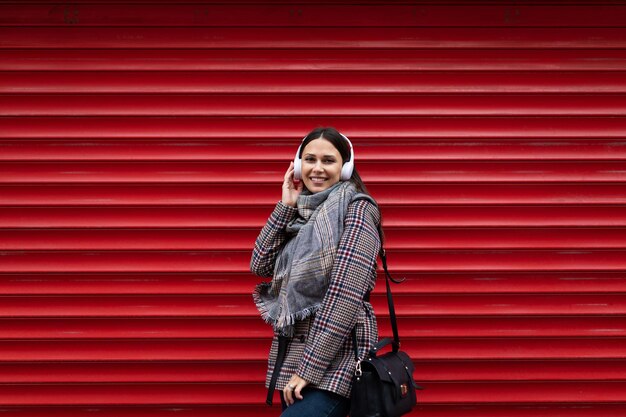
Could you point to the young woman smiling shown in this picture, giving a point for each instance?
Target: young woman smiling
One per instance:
(320, 247)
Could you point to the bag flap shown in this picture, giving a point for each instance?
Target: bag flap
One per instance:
(390, 367)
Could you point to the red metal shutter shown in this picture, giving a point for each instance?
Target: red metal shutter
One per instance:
(142, 147)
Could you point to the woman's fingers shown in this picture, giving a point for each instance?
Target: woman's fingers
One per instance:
(297, 391)
(287, 391)
(288, 178)
(293, 389)
(289, 171)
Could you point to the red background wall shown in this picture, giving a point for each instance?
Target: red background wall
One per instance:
(142, 148)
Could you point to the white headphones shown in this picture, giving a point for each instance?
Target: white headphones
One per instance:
(346, 169)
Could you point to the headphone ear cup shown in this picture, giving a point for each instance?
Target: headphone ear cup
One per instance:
(297, 164)
(297, 168)
(348, 167)
(346, 170)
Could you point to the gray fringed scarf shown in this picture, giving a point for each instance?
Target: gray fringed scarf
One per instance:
(305, 262)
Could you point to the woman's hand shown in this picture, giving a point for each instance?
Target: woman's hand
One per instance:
(291, 191)
(293, 388)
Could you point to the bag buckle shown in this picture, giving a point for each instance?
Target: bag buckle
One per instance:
(358, 371)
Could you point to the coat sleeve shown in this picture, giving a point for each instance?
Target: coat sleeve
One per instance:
(351, 278)
(269, 240)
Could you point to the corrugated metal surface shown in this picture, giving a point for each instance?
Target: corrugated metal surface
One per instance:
(142, 148)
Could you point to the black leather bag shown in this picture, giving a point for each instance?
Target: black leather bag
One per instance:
(383, 386)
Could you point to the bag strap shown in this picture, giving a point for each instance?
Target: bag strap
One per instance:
(392, 309)
(395, 342)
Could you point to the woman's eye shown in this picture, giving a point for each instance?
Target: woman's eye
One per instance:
(326, 161)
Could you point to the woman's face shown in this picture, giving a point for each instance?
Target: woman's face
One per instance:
(321, 165)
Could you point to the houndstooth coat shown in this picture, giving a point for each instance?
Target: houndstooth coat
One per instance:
(321, 350)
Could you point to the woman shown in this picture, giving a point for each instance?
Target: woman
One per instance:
(320, 247)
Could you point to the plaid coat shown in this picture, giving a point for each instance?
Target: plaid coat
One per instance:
(321, 351)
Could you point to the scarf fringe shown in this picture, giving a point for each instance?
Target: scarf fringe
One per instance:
(287, 329)
(260, 305)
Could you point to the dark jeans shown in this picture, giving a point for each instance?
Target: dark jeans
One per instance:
(316, 403)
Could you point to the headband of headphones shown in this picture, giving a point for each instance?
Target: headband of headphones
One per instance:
(346, 169)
